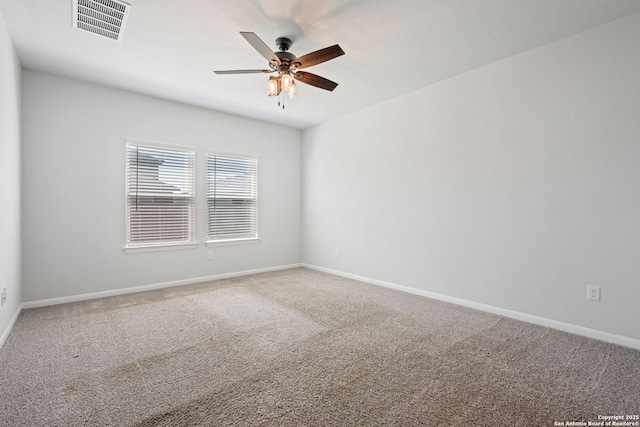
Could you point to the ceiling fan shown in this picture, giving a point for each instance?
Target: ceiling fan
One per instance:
(288, 66)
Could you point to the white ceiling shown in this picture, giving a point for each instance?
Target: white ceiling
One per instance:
(170, 48)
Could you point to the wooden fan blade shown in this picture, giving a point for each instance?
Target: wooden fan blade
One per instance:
(319, 56)
(260, 46)
(315, 80)
(243, 71)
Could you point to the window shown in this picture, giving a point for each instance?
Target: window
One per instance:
(160, 196)
(232, 198)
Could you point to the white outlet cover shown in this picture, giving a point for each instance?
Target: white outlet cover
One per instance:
(593, 293)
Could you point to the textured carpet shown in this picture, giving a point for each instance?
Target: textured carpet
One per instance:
(302, 348)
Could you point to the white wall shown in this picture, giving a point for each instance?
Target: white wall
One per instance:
(515, 185)
(10, 252)
(74, 177)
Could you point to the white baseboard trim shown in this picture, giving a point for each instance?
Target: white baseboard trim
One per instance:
(554, 324)
(123, 291)
(7, 331)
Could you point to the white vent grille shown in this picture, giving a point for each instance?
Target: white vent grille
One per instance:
(105, 18)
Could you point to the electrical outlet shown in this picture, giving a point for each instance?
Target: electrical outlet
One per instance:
(337, 251)
(593, 293)
(3, 298)
(210, 255)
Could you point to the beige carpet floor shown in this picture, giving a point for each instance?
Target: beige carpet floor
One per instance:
(302, 348)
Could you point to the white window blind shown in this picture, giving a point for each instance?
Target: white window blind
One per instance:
(160, 195)
(232, 197)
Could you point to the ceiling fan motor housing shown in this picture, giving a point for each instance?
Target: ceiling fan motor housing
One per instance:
(287, 60)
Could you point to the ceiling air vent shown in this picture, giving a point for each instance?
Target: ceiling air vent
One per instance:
(103, 17)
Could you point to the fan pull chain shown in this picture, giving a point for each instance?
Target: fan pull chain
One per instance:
(281, 100)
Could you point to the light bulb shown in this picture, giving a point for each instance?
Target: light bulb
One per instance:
(291, 91)
(286, 80)
(273, 86)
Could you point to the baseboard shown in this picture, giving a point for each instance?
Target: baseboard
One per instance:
(7, 331)
(123, 291)
(566, 327)
(554, 324)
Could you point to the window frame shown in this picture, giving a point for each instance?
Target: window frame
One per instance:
(167, 245)
(212, 242)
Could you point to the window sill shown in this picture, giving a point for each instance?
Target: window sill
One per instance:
(160, 248)
(231, 242)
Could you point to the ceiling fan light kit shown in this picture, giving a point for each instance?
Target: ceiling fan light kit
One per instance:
(287, 65)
